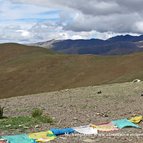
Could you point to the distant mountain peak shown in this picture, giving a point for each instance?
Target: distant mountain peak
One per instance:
(126, 38)
(118, 45)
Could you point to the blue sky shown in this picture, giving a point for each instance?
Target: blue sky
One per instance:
(11, 11)
(19, 21)
(41, 20)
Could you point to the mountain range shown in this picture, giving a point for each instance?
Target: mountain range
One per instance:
(118, 45)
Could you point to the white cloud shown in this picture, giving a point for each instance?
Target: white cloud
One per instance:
(39, 20)
(139, 26)
(24, 33)
(100, 15)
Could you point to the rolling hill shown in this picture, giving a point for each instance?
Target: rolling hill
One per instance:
(27, 70)
(118, 45)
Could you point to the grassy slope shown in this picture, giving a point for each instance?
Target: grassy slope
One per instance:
(27, 70)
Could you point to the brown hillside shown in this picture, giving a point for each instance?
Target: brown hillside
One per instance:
(27, 70)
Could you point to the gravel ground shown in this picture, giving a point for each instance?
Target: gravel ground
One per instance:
(82, 106)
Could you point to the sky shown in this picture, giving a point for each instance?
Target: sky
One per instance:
(30, 21)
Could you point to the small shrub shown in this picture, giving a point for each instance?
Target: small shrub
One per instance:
(1, 112)
(37, 112)
(46, 119)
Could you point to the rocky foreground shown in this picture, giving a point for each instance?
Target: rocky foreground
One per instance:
(82, 106)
